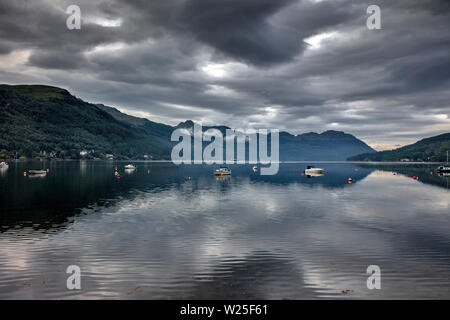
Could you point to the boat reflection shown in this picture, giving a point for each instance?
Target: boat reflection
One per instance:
(314, 175)
(37, 175)
(222, 178)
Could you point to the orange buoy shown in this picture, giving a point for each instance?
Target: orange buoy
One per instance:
(350, 180)
(24, 173)
(115, 168)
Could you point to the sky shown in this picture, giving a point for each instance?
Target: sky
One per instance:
(292, 65)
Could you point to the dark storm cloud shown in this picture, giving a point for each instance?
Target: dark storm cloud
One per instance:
(300, 66)
(240, 29)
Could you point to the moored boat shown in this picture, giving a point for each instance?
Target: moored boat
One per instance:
(222, 171)
(130, 167)
(3, 165)
(310, 170)
(443, 169)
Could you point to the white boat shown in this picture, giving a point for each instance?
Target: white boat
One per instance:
(222, 171)
(310, 170)
(443, 169)
(130, 167)
(3, 165)
(255, 168)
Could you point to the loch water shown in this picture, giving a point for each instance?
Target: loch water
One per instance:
(178, 232)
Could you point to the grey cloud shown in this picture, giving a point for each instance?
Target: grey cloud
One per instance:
(371, 83)
(240, 29)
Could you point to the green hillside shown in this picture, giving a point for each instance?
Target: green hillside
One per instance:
(429, 149)
(159, 131)
(44, 121)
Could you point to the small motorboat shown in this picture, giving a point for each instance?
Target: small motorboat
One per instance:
(310, 170)
(3, 165)
(222, 171)
(443, 169)
(130, 167)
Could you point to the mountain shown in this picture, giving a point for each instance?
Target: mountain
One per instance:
(429, 149)
(329, 145)
(38, 120)
(44, 121)
(161, 132)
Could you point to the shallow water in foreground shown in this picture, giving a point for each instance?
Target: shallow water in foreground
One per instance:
(158, 235)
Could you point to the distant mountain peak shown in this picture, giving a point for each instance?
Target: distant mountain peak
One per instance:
(186, 124)
(334, 133)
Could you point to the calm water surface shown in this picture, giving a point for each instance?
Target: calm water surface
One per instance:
(158, 235)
